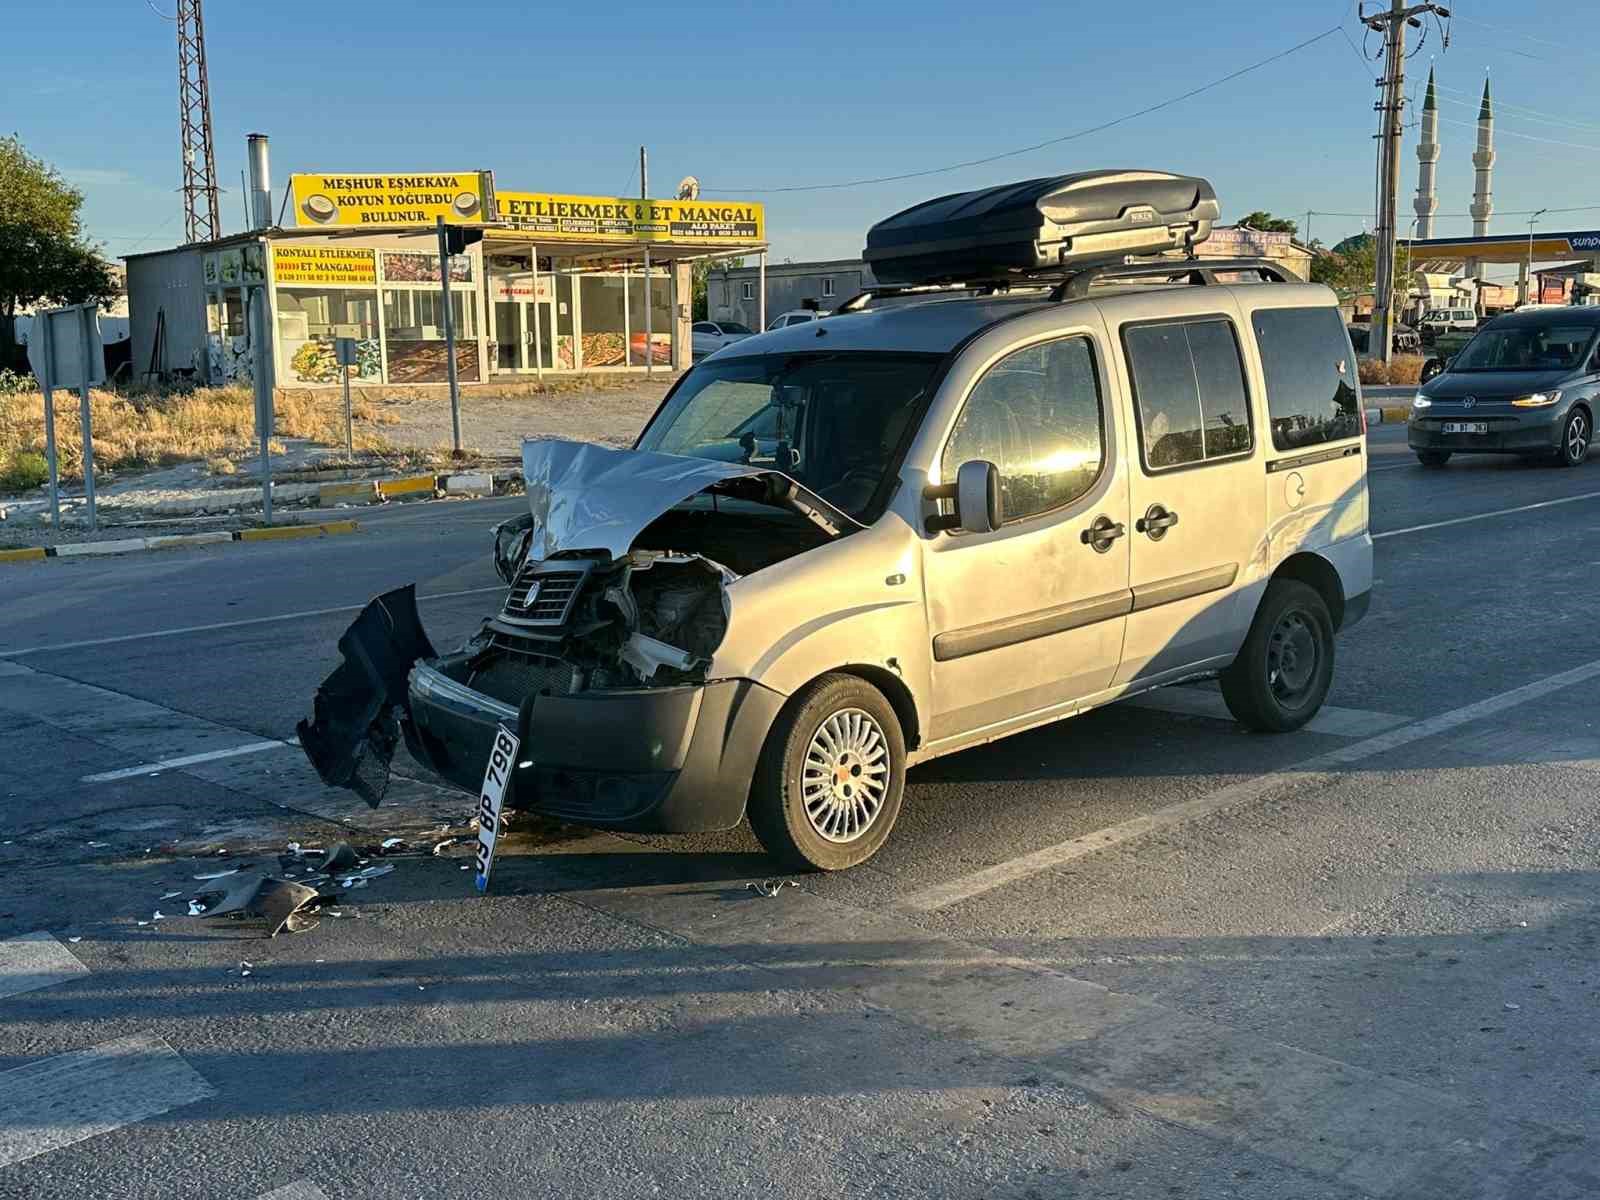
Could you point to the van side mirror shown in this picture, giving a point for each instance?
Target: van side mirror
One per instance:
(976, 495)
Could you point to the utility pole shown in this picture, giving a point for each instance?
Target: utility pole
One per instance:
(202, 223)
(1392, 25)
(649, 333)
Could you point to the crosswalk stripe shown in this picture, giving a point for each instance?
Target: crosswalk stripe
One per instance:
(35, 960)
(298, 1190)
(58, 1101)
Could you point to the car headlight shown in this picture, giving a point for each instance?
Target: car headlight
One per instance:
(1421, 401)
(1537, 399)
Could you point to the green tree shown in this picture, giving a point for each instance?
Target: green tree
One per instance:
(43, 254)
(701, 273)
(1267, 223)
(1351, 268)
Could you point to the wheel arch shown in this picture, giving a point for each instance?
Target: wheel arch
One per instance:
(1318, 573)
(894, 690)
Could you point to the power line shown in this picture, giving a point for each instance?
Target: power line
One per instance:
(1506, 108)
(1525, 136)
(1515, 32)
(1056, 141)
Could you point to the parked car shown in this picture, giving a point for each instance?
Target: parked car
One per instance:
(839, 551)
(1447, 320)
(795, 316)
(711, 336)
(1525, 384)
(1406, 339)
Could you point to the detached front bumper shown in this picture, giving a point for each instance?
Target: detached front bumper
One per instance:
(657, 760)
(1534, 431)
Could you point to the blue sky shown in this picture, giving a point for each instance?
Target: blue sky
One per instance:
(753, 97)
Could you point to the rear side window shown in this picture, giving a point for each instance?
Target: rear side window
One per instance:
(1188, 389)
(1311, 393)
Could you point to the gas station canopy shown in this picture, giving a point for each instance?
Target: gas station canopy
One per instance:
(1506, 248)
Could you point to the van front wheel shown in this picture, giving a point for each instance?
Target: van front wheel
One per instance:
(828, 786)
(1285, 666)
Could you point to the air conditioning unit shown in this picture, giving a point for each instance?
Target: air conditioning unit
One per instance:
(1048, 226)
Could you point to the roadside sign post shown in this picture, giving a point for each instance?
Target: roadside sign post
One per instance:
(345, 352)
(65, 351)
(87, 338)
(256, 301)
(449, 338)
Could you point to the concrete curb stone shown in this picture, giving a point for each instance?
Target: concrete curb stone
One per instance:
(176, 541)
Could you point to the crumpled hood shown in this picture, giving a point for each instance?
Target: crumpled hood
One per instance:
(588, 497)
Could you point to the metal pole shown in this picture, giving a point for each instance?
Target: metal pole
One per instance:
(761, 295)
(649, 340)
(1393, 98)
(256, 314)
(1527, 290)
(349, 420)
(538, 335)
(449, 341)
(41, 330)
(85, 315)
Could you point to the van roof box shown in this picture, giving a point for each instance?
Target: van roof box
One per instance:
(1040, 227)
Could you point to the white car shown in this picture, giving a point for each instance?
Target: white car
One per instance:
(796, 316)
(711, 336)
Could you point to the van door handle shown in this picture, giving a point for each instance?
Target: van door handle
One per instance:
(1156, 521)
(1102, 533)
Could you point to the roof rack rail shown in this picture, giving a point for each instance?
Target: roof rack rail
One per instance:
(1200, 272)
(1074, 285)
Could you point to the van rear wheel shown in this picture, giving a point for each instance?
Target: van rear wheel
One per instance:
(1285, 667)
(828, 786)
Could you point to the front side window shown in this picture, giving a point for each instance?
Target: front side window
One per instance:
(1310, 376)
(1188, 388)
(1036, 415)
(834, 422)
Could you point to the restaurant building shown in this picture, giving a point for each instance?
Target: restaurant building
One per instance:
(557, 284)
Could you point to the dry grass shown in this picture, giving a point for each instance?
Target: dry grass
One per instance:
(156, 430)
(1403, 369)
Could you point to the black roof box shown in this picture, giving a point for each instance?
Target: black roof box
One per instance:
(1040, 226)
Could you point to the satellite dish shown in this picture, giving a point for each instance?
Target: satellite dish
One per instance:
(688, 188)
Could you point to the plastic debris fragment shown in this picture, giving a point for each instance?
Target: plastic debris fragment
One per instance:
(770, 887)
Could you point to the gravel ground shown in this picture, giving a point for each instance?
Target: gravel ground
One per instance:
(496, 425)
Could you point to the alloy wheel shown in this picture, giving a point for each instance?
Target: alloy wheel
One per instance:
(1577, 437)
(845, 777)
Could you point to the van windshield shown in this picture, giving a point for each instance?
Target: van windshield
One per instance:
(837, 423)
(1525, 348)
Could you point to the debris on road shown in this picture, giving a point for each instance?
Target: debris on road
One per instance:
(275, 901)
(438, 847)
(219, 874)
(770, 887)
(341, 857)
(244, 968)
(170, 895)
(393, 843)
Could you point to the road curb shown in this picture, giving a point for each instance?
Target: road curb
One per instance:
(176, 541)
(1389, 415)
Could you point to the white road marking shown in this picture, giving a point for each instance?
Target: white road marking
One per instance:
(35, 960)
(58, 1101)
(1200, 702)
(187, 760)
(300, 1189)
(1499, 512)
(1313, 771)
(240, 624)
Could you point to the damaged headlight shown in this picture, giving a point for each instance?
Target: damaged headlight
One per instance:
(511, 546)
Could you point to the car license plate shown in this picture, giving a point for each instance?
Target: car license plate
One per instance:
(502, 758)
(1466, 427)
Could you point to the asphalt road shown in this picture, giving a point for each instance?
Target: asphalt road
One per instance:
(1139, 954)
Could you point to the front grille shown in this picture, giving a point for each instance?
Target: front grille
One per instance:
(542, 597)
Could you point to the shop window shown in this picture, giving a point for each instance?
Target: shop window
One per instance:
(660, 340)
(603, 301)
(309, 322)
(413, 321)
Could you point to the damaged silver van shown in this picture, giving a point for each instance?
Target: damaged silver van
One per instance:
(1026, 477)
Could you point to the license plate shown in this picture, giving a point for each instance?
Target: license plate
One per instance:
(1466, 427)
(502, 758)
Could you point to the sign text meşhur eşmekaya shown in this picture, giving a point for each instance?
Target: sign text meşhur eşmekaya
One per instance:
(618, 218)
(326, 200)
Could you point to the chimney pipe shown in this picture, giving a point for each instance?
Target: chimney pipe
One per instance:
(260, 181)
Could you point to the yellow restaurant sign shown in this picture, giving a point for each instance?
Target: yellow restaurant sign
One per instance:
(378, 200)
(619, 219)
(339, 266)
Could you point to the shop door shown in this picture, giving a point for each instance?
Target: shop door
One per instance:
(510, 335)
(541, 323)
